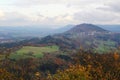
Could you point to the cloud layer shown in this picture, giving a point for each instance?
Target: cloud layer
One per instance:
(58, 12)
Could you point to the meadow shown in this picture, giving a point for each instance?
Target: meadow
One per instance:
(33, 52)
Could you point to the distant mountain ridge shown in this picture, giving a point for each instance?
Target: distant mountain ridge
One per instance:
(85, 28)
(89, 36)
(112, 28)
(64, 29)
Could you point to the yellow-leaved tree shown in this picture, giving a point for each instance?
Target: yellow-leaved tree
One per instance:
(75, 72)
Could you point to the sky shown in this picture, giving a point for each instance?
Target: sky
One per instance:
(58, 12)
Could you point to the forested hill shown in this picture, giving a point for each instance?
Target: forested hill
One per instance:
(86, 28)
(88, 36)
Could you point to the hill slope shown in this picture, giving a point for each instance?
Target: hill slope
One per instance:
(112, 28)
(88, 36)
(85, 28)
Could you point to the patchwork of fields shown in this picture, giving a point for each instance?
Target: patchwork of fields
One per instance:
(32, 52)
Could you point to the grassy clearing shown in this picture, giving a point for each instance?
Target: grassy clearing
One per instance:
(32, 52)
(105, 47)
(2, 57)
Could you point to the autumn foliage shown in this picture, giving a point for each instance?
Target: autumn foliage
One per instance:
(75, 72)
(82, 65)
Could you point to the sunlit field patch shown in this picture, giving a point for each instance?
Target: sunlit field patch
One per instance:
(33, 52)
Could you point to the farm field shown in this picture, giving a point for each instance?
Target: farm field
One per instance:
(33, 52)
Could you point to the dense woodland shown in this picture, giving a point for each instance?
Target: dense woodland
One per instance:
(79, 65)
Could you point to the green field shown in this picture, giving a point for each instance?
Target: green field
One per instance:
(2, 57)
(105, 46)
(33, 52)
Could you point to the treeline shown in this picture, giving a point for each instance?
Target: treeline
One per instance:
(82, 65)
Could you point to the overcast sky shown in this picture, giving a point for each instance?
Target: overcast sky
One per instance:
(58, 12)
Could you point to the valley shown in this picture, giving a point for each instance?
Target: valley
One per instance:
(85, 46)
(60, 40)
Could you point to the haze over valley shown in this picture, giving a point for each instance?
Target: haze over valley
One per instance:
(59, 40)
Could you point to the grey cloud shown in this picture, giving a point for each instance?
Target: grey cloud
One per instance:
(96, 16)
(36, 2)
(14, 19)
(113, 6)
(92, 11)
(18, 19)
(67, 2)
